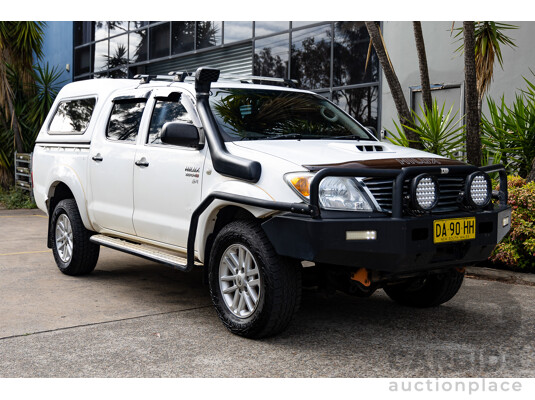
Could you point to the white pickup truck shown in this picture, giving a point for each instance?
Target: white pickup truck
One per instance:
(261, 185)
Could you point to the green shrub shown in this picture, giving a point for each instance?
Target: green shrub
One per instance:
(16, 198)
(438, 130)
(508, 134)
(517, 250)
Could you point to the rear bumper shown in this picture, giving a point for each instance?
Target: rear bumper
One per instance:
(401, 244)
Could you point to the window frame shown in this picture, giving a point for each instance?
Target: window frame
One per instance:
(126, 99)
(72, 99)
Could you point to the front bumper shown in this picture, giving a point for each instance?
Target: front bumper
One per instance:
(401, 245)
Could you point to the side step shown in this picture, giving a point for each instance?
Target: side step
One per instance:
(149, 252)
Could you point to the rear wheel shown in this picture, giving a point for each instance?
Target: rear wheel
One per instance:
(73, 251)
(255, 291)
(429, 291)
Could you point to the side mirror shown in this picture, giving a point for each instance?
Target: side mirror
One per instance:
(181, 134)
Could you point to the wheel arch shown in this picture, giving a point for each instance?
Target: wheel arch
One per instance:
(60, 190)
(217, 220)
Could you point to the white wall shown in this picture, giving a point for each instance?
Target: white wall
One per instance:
(446, 66)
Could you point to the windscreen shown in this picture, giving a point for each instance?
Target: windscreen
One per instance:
(261, 114)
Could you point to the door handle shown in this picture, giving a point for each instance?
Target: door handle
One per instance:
(142, 163)
(97, 158)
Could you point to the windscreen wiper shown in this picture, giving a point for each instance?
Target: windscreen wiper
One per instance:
(355, 137)
(286, 136)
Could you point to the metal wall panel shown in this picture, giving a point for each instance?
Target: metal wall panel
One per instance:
(230, 60)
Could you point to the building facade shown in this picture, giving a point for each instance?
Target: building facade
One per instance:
(326, 57)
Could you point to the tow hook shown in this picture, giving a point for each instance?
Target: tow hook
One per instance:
(362, 276)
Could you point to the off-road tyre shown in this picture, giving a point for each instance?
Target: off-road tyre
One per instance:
(84, 253)
(430, 291)
(280, 280)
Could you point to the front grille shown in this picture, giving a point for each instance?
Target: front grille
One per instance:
(449, 188)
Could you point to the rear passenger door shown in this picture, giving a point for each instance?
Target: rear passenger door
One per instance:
(111, 163)
(167, 178)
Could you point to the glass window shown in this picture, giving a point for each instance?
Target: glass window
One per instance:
(124, 120)
(183, 34)
(117, 27)
(262, 28)
(159, 41)
(118, 51)
(137, 24)
(249, 114)
(72, 117)
(165, 111)
(271, 56)
(138, 46)
(118, 73)
(82, 60)
(237, 30)
(360, 103)
(208, 34)
(351, 42)
(101, 30)
(83, 32)
(311, 57)
(101, 56)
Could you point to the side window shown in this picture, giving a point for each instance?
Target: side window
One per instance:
(72, 117)
(124, 120)
(166, 111)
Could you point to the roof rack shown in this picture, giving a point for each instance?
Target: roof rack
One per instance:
(246, 78)
(173, 76)
(180, 76)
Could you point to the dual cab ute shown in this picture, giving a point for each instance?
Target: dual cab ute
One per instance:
(263, 186)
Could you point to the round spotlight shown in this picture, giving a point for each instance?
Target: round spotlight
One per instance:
(478, 189)
(424, 192)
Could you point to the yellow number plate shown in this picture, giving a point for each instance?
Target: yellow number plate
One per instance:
(454, 229)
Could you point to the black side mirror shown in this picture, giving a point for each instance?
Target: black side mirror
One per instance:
(181, 134)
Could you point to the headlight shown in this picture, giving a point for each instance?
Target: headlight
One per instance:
(424, 192)
(478, 190)
(335, 193)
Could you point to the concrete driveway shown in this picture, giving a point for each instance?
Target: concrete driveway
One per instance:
(135, 318)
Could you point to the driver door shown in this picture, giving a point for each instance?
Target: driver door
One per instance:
(167, 178)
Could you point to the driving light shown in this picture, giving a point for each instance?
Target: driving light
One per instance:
(337, 193)
(361, 235)
(478, 189)
(424, 192)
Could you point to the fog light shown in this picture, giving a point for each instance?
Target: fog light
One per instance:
(361, 235)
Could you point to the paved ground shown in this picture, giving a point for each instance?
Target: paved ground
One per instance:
(134, 318)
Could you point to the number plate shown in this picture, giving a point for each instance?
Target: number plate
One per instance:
(454, 229)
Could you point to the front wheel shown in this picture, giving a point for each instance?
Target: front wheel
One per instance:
(73, 251)
(255, 291)
(428, 291)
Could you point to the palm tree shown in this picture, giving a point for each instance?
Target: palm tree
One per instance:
(402, 108)
(27, 91)
(19, 41)
(473, 139)
(422, 62)
(487, 38)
